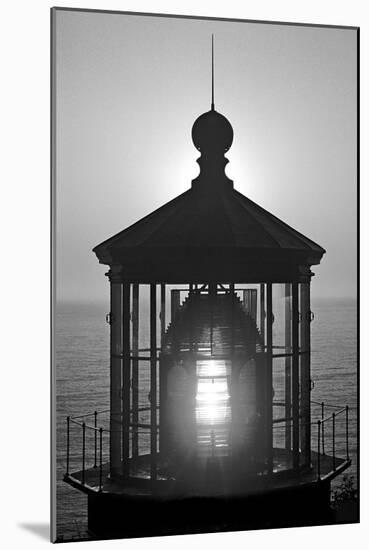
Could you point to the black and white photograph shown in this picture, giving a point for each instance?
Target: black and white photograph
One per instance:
(205, 243)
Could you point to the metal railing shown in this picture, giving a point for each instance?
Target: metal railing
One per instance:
(322, 425)
(97, 444)
(96, 441)
(325, 427)
(324, 433)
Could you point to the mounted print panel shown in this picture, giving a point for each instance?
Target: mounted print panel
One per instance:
(205, 342)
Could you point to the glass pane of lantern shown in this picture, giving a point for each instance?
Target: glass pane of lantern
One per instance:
(249, 295)
(280, 413)
(176, 296)
(279, 316)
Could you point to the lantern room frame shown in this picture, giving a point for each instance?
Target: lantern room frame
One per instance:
(213, 236)
(126, 358)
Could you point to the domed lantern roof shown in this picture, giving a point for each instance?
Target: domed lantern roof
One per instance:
(212, 232)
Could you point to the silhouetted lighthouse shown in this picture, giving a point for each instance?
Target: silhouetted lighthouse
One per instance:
(210, 424)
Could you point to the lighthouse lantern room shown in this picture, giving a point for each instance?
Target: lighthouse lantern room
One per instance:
(210, 371)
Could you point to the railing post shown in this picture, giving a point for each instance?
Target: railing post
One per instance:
(347, 433)
(319, 427)
(323, 446)
(334, 440)
(83, 451)
(95, 438)
(101, 461)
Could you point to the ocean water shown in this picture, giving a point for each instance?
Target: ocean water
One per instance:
(82, 385)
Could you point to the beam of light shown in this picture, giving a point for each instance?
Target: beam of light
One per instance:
(212, 398)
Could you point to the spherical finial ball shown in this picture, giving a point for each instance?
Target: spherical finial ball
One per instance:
(212, 132)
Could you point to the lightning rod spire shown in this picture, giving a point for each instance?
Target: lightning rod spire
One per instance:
(212, 72)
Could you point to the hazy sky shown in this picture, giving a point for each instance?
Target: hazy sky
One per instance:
(128, 89)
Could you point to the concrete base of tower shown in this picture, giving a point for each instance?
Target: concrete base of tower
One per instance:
(125, 516)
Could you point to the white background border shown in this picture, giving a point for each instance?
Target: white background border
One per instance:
(24, 420)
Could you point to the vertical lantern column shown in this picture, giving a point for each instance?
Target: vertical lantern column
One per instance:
(305, 371)
(153, 384)
(135, 374)
(126, 375)
(269, 378)
(116, 360)
(288, 362)
(295, 377)
(262, 310)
